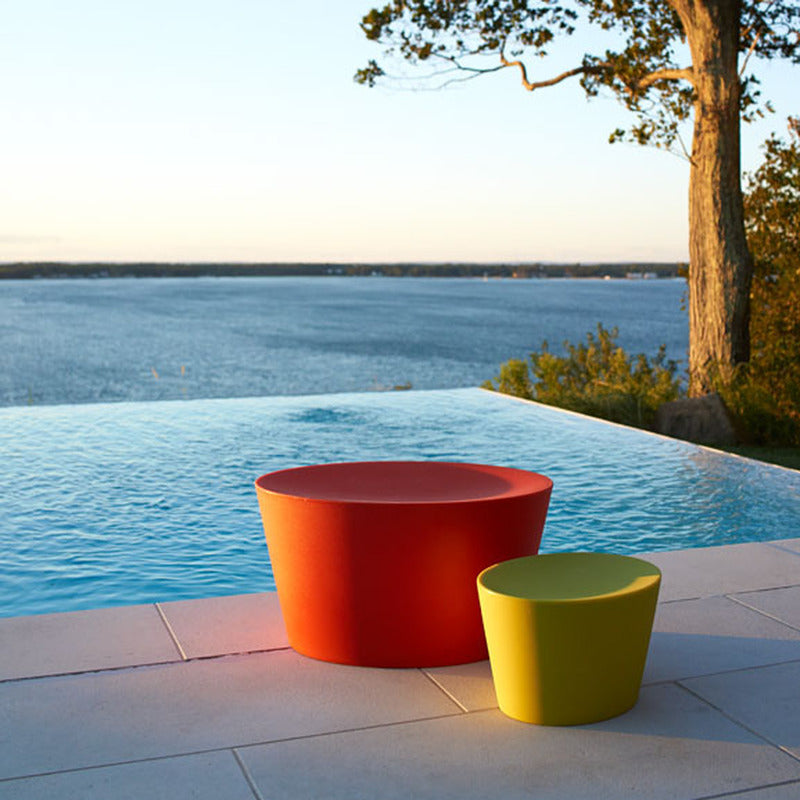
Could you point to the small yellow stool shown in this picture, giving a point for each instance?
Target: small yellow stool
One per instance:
(568, 634)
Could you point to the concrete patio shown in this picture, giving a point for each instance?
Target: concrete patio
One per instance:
(204, 699)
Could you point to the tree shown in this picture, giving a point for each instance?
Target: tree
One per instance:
(717, 37)
(765, 394)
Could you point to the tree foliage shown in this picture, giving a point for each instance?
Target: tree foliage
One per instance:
(665, 60)
(646, 65)
(765, 393)
(597, 378)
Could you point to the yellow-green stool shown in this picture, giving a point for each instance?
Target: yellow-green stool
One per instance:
(568, 634)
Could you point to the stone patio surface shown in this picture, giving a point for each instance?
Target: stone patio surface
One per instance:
(204, 699)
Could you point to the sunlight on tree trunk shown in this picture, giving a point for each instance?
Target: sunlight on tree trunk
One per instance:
(720, 266)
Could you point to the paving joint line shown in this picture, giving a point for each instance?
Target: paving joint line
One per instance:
(360, 728)
(737, 722)
(688, 599)
(730, 594)
(247, 776)
(743, 792)
(94, 671)
(109, 764)
(145, 665)
(171, 632)
(764, 588)
(663, 681)
(441, 688)
(776, 542)
(234, 747)
(763, 613)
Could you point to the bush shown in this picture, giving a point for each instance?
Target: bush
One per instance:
(597, 378)
(514, 379)
(764, 395)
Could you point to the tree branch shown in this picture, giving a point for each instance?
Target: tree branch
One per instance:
(758, 20)
(686, 74)
(457, 65)
(749, 51)
(539, 84)
(530, 86)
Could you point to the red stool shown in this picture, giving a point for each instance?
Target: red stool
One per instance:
(375, 562)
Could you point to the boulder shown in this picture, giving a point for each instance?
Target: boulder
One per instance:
(696, 419)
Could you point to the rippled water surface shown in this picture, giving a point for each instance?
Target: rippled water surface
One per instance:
(116, 340)
(124, 503)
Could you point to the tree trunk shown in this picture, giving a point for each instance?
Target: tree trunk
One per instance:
(720, 267)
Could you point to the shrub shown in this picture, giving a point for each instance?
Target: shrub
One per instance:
(514, 379)
(597, 378)
(764, 395)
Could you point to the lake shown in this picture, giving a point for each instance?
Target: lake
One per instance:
(111, 340)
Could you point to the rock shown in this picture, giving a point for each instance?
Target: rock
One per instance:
(696, 419)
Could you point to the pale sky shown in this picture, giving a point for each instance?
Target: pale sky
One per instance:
(231, 130)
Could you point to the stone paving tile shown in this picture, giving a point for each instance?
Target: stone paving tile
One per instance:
(206, 776)
(765, 699)
(672, 745)
(783, 604)
(106, 638)
(187, 707)
(223, 625)
(709, 571)
(698, 637)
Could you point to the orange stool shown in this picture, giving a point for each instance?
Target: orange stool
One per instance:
(375, 562)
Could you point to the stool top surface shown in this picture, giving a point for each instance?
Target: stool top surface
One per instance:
(563, 577)
(403, 482)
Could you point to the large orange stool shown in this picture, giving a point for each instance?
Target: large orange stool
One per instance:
(375, 562)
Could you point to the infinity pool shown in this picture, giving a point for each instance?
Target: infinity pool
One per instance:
(140, 502)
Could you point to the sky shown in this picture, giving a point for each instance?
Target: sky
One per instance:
(231, 130)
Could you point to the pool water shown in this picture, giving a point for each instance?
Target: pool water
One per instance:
(125, 503)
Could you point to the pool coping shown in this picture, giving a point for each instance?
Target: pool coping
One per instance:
(656, 434)
(204, 698)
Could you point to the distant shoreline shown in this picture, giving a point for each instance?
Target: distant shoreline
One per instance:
(55, 269)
